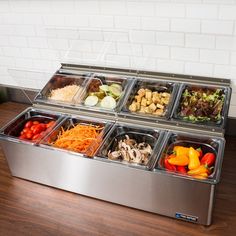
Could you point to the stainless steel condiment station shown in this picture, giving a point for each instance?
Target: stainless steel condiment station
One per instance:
(147, 187)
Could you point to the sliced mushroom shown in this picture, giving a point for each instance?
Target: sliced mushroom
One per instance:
(114, 155)
(125, 155)
(145, 148)
(129, 141)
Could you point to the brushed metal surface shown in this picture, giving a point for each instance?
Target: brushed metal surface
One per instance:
(149, 74)
(146, 190)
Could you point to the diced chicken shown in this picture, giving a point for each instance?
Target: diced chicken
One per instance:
(148, 94)
(142, 109)
(138, 98)
(147, 110)
(138, 106)
(141, 92)
(159, 106)
(152, 107)
(148, 102)
(165, 100)
(133, 107)
(159, 112)
(144, 102)
(165, 94)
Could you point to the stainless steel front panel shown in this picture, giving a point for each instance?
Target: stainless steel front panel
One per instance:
(146, 190)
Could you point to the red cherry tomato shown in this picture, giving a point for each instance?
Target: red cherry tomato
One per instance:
(43, 126)
(33, 127)
(35, 122)
(50, 124)
(28, 124)
(26, 130)
(36, 136)
(34, 130)
(37, 129)
(29, 135)
(22, 137)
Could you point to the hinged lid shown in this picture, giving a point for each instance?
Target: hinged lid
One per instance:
(170, 124)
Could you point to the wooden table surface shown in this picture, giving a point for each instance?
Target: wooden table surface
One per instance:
(28, 208)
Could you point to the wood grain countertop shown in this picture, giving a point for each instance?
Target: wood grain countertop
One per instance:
(28, 208)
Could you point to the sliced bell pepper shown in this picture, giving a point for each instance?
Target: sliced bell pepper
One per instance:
(198, 171)
(193, 159)
(181, 160)
(168, 166)
(208, 159)
(200, 152)
(201, 176)
(181, 169)
(180, 150)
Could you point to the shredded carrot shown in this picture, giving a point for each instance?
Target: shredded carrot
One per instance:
(79, 138)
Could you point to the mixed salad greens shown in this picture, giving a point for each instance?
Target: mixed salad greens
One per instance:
(202, 104)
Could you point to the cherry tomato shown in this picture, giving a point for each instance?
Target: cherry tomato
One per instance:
(43, 126)
(26, 130)
(22, 136)
(42, 134)
(50, 124)
(37, 129)
(29, 135)
(28, 124)
(34, 130)
(35, 122)
(33, 127)
(36, 136)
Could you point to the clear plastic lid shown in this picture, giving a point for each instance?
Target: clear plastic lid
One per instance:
(27, 82)
(100, 47)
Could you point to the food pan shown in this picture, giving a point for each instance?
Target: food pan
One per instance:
(138, 102)
(107, 92)
(122, 135)
(60, 81)
(202, 109)
(213, 145)
(13, 129)
(67, 142)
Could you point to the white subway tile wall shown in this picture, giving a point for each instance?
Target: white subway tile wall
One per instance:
(196, 37)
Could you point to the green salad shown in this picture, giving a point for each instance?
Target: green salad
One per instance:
(202, 104)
